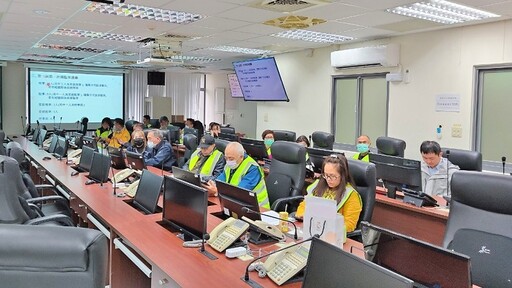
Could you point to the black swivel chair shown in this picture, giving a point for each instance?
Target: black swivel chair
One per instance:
(129, 125)
(227, 130)
(190, 142)
(364, 175)
(390, 146)
(480, 225)
(286, 177)
(465, 159)
(52, 257)
(14, 150)
(322, 140)
(155, 123)
(2, 138)
(221, 144)
(283, 135)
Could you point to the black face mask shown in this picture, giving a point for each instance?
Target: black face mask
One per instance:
(138, 142)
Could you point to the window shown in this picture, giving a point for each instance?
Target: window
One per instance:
(493, 103)
(360, 106)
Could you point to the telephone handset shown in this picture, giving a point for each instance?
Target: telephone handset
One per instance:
(47, 142)
(266, 228)
(123, 174)
(132, 188)
(284, 265)
(74, 153)
(226, 233)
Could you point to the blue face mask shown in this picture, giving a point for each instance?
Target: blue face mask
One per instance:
(362, 147)
(151, 145)
(268, 142)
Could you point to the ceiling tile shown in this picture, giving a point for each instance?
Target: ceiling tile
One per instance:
(207, 8)
(333, 11)
(373, 19)
(250, 14)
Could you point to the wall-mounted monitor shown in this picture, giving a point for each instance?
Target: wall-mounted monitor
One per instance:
(234, 86)
(260, 80)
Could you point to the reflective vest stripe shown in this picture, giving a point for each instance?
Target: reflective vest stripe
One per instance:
(208, 165)
(260, 189)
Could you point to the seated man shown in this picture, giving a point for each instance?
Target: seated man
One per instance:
(363, 149)
(145, 121)
(120, 136)
(103, 133)
(242, 171)
(158, 151)
(434, 169)
(164, 123)
(206, 161)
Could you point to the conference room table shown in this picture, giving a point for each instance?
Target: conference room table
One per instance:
(142, 252)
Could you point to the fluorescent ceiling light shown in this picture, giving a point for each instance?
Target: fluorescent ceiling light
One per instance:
(442, 11)
(242, 50)
(143, 12)
(312, 36)
(199, 59)
(96, 35)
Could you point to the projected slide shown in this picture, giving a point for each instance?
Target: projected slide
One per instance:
(74, 95)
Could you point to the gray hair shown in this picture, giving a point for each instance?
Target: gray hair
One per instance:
(157, 133)
(237, 147)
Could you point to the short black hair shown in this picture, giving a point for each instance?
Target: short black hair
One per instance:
(428, 147)
(107, 120)
(119, 121)
(146, 117)
(304, 139)
(191, 120)
(164, 118)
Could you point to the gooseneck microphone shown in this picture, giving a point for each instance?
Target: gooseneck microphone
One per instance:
(203, 251)
(54, 126)
(60, 121)
(253, 284)
(248, 210)
(22, 125)
(503, 162)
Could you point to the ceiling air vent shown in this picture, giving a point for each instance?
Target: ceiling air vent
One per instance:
(287, 5)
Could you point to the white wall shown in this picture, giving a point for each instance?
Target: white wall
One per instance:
(13, 97)
(438, 61)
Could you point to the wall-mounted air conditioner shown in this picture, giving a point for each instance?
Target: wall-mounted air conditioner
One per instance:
(385, 56)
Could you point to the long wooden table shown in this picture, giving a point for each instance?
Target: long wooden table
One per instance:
(143, 253)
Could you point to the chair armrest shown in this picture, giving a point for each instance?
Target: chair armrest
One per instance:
(58, 218)
(47, 186)
(36, 209)
(55, 198)
(285, 200)
(355, 233)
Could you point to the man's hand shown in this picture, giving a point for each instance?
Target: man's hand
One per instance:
(211, 187)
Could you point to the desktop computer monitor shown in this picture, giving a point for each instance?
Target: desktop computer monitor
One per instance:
(233, 199)
(173, 134)
(41, 137)
(424, 263)
(85, 159)
(186, 175)
(61, 147)
(117, 158)
(53, 144)
(329, 266)
(185, 207)
(100, 167)
(35, 136)
(317, 157)
(148, 191)
(89, 142)
(398, 171)
(135, 161)
(255, 148)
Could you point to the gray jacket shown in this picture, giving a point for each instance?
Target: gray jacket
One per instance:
(436, 184)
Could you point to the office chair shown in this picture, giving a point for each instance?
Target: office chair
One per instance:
(221, 144)
(322, 140)
(227, 130)
(364, 175)
(390, 146)
(84, 123)
(129, 125)
(155, 123)
(52, 257)
(286, 177)
(44, 205)
(14, 209)
(2, 138)
(190, 142)
(283, 135)
(465, 159)
(14, 150)
(480, 225)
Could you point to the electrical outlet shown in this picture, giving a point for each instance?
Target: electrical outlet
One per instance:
(457, 131)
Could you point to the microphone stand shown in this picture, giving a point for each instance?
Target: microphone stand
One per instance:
(248, 210)
(102, 172)
(503, 161)
(57, 146)
(203, 251)
(253, 284)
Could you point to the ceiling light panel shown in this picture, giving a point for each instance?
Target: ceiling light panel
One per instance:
(242, 50)
(312, 36)
(198, 59)
(143, 12)
(442, 11)
(96, 35)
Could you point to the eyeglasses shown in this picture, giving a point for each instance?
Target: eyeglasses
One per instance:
(330, 177)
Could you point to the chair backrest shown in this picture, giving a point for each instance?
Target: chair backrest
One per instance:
(481, 219)
(227, 130)
(322, 140)
(364, 175)
(155, 123)
(390, 146)
(2, 138)
(129, 125)
(190, 142)
(11, 211)
(465, 159)
(51, 256)
(221, 144)
(14, 150)
(283, 135)
(288, 165)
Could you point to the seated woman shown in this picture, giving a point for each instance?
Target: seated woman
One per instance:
(336, 183)
(268, 138)
(138, 143)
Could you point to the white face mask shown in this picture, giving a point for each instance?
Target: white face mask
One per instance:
(151, 145)
(231, 164)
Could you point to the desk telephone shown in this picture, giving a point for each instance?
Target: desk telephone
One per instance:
(123, 174)
(75, 153)
(131, 190)
(226, 233)
(283, 265)
(266, 228)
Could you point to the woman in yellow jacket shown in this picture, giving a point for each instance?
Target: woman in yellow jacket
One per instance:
(336, 183)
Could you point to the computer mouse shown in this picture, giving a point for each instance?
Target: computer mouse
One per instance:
(47, 158)
(89, 182)
(74, 173)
